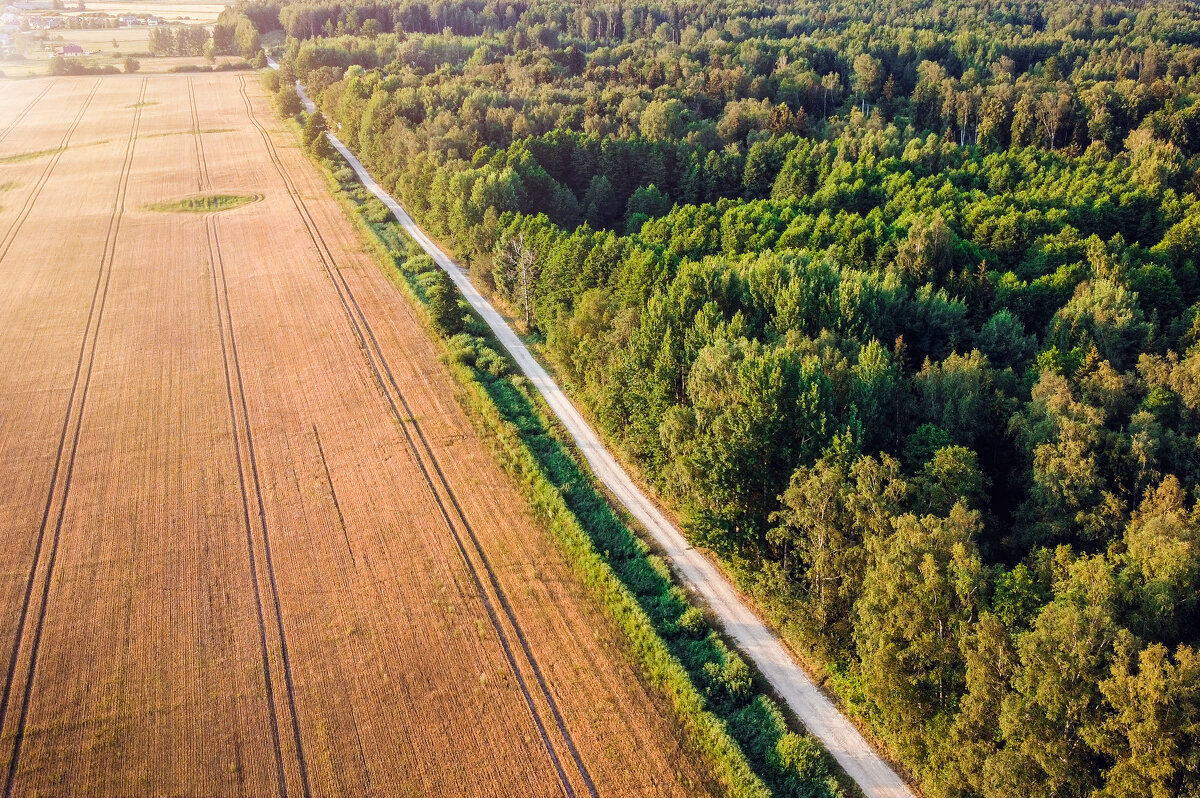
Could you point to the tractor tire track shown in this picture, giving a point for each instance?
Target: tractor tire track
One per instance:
(24, 112)
(202, 178)
(268, 557)
(225, 322)
(380, 368)
(83, 369)
(337, 505)
(233, 372)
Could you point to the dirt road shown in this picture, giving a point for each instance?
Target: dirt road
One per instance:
(253, 545)
(788, 679)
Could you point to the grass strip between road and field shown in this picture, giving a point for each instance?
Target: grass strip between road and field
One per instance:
(727, 715)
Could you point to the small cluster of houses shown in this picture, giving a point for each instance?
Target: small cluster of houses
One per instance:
(130, 21)
(10, 25)
(123, 21)
(46, 23)
(15, 18)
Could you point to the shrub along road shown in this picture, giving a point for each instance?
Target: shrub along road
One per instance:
(787, 678)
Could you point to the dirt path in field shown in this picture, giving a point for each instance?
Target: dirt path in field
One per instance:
(787, 678)
(254, 547)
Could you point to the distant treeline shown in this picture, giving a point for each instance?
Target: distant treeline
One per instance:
(180, 40)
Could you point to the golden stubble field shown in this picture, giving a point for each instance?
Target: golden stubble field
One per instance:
(253, 545)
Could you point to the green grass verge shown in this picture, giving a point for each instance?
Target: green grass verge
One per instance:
(206, 204)
(29, 156)
(185, 132)
(723, 707)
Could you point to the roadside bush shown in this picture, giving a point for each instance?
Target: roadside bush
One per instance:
(729, 680)
(461, 349)
(323, 149)
(314, 126)
(373, 210)
(444, 310)
(421, 264)
(693, 623)
(802, 756)
(288, 101)
(492, 362)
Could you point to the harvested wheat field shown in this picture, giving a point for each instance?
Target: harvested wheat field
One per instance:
(253, 545)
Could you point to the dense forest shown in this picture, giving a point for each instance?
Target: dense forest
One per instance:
(895, 303)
